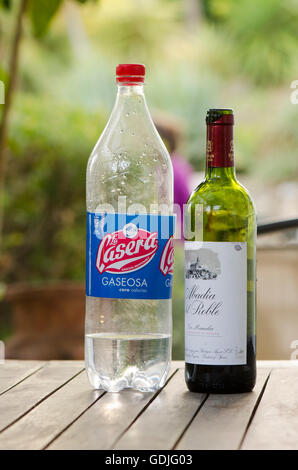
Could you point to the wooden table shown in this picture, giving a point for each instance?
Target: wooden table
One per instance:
(50, 405)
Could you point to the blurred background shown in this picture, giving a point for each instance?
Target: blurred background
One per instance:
(57, 61)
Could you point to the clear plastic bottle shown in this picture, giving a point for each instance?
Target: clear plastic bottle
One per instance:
(128, 313)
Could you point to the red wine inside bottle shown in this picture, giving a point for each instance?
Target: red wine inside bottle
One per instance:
(220, 278)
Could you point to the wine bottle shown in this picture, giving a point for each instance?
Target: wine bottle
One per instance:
(220, 265)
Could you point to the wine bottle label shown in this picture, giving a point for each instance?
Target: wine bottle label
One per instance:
(215, 302)
(129, 256)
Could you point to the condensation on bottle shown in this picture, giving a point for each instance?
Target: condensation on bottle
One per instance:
(129, 261)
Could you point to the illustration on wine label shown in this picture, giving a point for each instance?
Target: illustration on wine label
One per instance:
(203, 264)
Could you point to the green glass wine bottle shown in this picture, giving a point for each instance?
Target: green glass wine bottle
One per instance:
(220, 271)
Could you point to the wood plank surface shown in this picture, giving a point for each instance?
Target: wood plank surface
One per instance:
(13, 372)
(162, 423)
(105, 421)
(277, 364)
(39, 427)
(222, 421)
(275, 424)
(28, 393)
(51, 405)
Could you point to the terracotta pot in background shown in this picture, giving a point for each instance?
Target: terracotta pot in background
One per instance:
(48, 321)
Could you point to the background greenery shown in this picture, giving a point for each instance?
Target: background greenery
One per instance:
(199, 54)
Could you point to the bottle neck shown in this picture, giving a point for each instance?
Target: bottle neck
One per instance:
(220, 151)
(127, 92)
(131, 106)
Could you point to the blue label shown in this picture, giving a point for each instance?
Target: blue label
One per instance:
(129, 256)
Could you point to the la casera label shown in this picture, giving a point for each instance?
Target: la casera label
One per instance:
(129, 256)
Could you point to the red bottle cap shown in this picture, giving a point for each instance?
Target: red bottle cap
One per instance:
(128, 74)
(220, 116)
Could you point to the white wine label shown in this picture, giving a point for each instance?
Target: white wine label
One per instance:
(215, 302)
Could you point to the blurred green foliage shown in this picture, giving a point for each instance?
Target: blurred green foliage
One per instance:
(41, 12)
(265, 38)
(5, 4)
(44, 236)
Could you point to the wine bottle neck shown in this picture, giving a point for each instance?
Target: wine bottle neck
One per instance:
(220, 151)
(222, 173)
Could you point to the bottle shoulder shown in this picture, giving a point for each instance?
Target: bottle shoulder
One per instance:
(132, 162)
(130, 131)
(227, 194)
(138, 142)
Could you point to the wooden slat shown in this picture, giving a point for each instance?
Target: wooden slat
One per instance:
(39, 427)
(178, 364)
(105, 421)
(42, 410)
(25, 395)
(277, 364)
(174, 368)
(275, 425)
(164, 420)
(13, 372)
(222, 421)
(67, 363)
